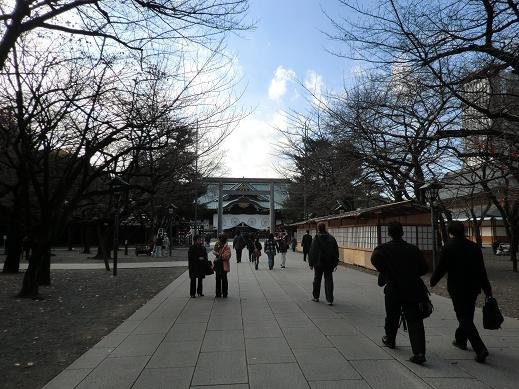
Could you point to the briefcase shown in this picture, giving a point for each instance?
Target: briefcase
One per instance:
(492, 317)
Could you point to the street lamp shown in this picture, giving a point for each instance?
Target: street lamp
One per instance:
(118, 187)
(432, 192)
(171, 211)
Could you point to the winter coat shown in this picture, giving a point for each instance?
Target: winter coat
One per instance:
(270, 247)
(401, 265)
(306, 242)
(462, 259)
(224, 253)
(197, 261)
(282, 244)
(324, 251)
(238, 243)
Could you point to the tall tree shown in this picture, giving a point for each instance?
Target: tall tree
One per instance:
(137, 25)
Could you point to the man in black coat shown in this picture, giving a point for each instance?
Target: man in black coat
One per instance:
(306, 242)
(462, 259)
(401, 265)
(197, 262)
(238, 244)
(323, 258)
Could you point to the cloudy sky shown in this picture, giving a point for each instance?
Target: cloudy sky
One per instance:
(287, 48)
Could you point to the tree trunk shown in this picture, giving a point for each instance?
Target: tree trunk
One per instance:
(513, 245)
(31, 279)
(14, 251)
(477, 231)
(103, 252)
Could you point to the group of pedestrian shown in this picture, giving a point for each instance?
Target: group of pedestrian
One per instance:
(199, 264)
(278, 243)
(401, 266)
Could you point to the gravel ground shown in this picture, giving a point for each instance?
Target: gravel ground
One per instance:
(505, 283)
(62, 255)
(41, 338)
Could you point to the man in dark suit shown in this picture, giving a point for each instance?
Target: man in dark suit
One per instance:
(462, 259)
(306, 242)
(323, 258)
(401, 264)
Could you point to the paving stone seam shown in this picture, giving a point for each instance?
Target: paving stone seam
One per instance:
(364, 335)
(276, 319)
(301, 287)
(173, 290)
(201, 344)
(180, 283)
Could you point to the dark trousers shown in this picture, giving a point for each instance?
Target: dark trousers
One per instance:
(328, 282)
(193, 288)
(464, 308)
(238, 255)
(222, 285)
(394, 308)
(251, 255)
(305, 253)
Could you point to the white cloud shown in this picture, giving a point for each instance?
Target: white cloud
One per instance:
(250, 149)
(314, 83)
(278, 85)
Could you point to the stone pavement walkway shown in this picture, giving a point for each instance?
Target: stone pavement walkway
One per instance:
(269, 334)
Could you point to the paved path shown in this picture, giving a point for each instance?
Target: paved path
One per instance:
(269, 334)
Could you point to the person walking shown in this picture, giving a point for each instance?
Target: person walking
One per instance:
(293, 243)
(462, 260)
(270, 250)
(197, 259)
(238, 244)
(250, 246)
(207, 243)
(306, 242)
(401, 265)
(323, 258)
(222, 265)
(282, 247)
(157, 248)
(256, 251)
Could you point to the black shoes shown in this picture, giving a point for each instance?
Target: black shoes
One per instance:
(200, 294)
(461, 346)
(193, 296)
(316, 299)
(482, 356)
(388, 343)
(419, 359)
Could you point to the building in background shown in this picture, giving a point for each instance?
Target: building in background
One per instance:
(246, 204)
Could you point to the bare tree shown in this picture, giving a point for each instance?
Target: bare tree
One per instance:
(74, 122)
(133, 24)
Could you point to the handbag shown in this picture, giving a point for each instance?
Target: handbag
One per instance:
(492, 317)
(208, 268)
(425, 306)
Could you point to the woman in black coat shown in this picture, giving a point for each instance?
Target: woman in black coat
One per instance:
(197, 262)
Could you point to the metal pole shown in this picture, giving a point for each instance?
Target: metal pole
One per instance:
(272, 209)
(116, 232)
(220, 207)
(434, 237)
(170, 234)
